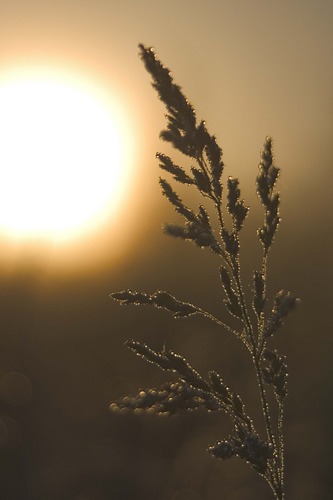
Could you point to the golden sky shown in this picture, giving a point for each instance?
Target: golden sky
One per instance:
(249, 68)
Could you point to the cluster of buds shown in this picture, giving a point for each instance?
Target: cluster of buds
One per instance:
(195, 232)
(275, 373)
(284, 303)
(252, 449)
(270, 199)
(169, 399)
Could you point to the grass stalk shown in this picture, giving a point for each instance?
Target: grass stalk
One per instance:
(191, 391)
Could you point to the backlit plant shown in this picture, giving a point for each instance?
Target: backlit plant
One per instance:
(191, 391)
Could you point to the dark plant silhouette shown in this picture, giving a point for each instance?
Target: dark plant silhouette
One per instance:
(191, 391)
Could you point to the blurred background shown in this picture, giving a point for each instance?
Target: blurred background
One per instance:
(250, 69)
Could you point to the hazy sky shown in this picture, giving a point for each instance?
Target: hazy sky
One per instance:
(251, 69)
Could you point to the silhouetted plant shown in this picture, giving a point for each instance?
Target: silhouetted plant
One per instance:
(264, 453)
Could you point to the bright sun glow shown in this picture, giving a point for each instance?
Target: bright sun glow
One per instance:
(63, 164)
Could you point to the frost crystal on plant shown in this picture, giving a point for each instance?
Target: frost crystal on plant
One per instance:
(191, 391)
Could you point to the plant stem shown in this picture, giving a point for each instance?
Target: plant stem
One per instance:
(281, 447)
(277, 474)
(256, 359)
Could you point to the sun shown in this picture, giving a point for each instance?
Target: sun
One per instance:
(64, 165)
